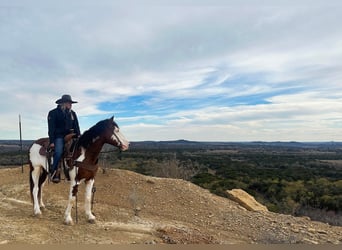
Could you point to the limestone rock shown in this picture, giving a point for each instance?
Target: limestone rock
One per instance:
(245, 200)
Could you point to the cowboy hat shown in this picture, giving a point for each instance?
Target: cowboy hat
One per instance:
(64, 99)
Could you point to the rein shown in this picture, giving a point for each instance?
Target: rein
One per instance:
(110, 151)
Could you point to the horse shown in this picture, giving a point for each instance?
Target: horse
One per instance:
(82, 165)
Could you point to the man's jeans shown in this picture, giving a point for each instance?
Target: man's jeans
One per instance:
(59, 148)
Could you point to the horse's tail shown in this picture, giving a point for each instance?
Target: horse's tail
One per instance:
(31, 180)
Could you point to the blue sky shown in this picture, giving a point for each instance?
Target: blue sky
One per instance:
(167, 70)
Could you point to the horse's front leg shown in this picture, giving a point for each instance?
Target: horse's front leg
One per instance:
(72, 197)
(87, 201)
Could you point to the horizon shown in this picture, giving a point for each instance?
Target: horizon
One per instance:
(185, 141)
(200, 70)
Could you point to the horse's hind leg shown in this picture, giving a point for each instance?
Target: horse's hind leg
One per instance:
(42, 180)
(87, 201)
(34, 188)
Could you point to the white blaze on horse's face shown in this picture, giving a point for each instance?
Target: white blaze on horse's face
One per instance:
(120, 138)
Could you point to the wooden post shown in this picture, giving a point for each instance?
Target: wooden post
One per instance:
(21, 145)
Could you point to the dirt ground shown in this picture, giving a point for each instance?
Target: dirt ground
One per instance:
(135, 209)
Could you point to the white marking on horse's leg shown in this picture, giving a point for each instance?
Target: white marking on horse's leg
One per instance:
(35, 178)
(87, 201)
(41, 203)
(67, 217)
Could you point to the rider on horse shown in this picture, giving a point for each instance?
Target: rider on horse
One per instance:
(61, 121)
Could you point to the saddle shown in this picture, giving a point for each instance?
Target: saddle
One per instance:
(45, 150)
(69, 151)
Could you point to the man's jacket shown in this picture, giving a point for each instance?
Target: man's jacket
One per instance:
(62, 122)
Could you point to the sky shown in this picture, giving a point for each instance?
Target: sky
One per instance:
(168, 70)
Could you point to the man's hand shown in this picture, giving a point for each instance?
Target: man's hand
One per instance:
(75, 136)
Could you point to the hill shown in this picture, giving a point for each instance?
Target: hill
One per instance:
(133, 208)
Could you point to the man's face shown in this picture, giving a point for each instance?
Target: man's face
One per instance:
(68, 105)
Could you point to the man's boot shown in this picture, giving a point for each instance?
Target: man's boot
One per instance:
(55, 176)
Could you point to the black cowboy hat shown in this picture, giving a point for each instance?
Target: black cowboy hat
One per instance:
(64, 99)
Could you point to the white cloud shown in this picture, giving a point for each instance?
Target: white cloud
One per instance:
(289, 54)
(304, 117)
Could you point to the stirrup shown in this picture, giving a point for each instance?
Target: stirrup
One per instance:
(54, 177)
(51, 175)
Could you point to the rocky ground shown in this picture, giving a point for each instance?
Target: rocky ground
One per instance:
(136, 209)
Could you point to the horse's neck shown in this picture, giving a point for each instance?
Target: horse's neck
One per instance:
(93, 151)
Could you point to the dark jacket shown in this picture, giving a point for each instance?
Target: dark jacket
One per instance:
(62, 122)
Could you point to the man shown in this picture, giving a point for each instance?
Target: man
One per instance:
(61, 121)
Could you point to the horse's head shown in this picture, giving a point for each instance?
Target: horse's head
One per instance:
(114, 136)
(105, 131)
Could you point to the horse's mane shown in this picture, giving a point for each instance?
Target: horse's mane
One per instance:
(87, 137)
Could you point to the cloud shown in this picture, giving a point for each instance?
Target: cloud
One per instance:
(182, 69)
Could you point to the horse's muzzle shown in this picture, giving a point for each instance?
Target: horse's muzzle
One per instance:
(124, 147)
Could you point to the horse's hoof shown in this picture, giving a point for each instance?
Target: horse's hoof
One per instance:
(92, 221)
(37, 215)
(68, 223)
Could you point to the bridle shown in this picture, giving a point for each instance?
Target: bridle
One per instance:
(117, 138)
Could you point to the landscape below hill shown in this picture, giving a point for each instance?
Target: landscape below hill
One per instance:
(136, 209)
(298, 183)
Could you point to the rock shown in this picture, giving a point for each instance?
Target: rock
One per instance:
(322, 232)
(245, 200)
(310, 241)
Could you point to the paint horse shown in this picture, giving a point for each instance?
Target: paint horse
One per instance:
(82, 165)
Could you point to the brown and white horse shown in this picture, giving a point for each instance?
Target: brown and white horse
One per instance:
(82, 165)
